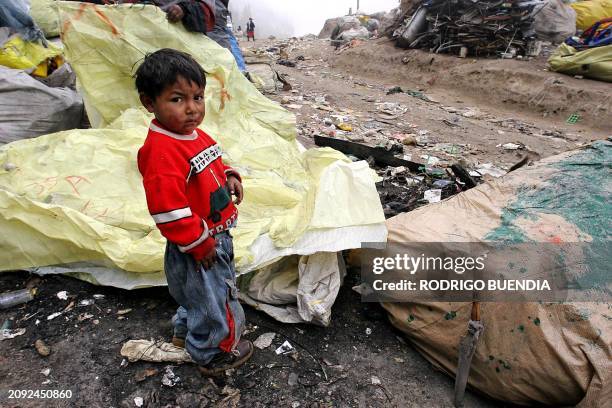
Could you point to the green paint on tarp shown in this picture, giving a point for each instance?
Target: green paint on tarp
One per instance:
(580, 193)
(450, 315)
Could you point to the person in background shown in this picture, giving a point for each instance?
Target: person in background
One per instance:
(239, 32)
(250, 27)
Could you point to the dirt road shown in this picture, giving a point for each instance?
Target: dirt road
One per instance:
(462, 112)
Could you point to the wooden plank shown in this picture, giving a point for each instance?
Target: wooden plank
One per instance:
(381, 156)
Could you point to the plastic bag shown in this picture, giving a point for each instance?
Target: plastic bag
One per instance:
(32, 57)
(29, 108)
(555, 22)
(594, 63)
(590, 12)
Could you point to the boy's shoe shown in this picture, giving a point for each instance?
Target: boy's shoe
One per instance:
(178, 341)
(227, 361)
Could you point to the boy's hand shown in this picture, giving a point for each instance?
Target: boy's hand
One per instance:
(175, 13)
(209, 260)
(235, 188)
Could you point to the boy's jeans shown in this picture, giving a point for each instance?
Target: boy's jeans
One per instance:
(202, 295)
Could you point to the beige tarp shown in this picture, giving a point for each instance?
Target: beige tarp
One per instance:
(73, 202)
(558, 354)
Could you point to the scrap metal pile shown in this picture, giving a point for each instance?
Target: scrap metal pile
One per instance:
(467, 27)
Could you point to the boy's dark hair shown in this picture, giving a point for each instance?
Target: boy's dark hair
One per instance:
(163, 67)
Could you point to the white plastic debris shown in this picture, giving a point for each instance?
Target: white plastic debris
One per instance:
(264, 341)
(11, 334)
(285, 348)
(431, 160)
(170, 379)
(46, 372)
(54, 315)
(139, 401)
(86, 302)
(375, 380)
(368, 331)
(488, 168)
(510, 146)
(433, 196)
(98, 296)
(63, 295)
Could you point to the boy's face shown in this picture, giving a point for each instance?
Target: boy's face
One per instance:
(180, 106)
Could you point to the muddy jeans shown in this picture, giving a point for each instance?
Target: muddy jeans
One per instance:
(203, 296)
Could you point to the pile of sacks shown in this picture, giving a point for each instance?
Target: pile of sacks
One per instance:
(345, 29)
(37, 89)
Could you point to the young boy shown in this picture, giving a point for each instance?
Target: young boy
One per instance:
(188, 190)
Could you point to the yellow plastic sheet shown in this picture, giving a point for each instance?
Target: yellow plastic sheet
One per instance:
(73, 201)
(29, 56)
(594, 63)
(590, 12)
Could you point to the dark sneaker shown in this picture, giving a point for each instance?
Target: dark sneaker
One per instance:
(178, 342)
(227, 361)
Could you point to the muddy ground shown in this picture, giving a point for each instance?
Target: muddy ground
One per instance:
(360, 360)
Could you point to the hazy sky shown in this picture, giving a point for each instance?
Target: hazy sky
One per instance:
(308, 16)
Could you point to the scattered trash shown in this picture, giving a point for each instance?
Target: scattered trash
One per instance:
(42, 348)
(264, 341)
(149, 350)
(375, 380)
(345, 127)
(433, 196)
(17, 297)
(98, 296)
(46, 372)
(86, 302)
(286, 63)
(487, 169)
(170, 379)
(430, 160)
(123, 311)
(7, 334)
(292, 380)
(573, 119)
(285, 348)
(409, 140)
(144, 374)
(54, 315)
(139, 401)
(511, 146)
(368, 331)
(124, 363)
(63, 295)
(84, 316)
(480, 28)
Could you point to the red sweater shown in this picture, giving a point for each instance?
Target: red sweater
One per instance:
(185, 182)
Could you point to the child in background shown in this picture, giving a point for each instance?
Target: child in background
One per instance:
(188, 190)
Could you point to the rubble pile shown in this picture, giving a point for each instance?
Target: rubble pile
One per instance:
(465, 27)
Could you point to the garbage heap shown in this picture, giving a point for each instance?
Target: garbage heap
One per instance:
(465, 27)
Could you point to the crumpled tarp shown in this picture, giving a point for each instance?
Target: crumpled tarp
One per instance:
(556, 354)
(45, 15)
(73, 201)
(594, 63)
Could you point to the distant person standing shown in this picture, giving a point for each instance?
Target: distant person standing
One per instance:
(239, 32)
(250, 30)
